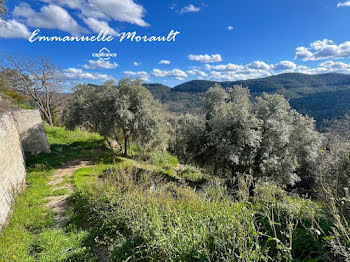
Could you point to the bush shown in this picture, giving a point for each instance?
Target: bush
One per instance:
(193, 175)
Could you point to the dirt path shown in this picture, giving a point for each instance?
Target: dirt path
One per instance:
(59, 203)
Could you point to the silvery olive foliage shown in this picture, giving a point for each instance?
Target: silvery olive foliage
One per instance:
(263, 138)
(289, 145)
(334, 163)
(125, 112)
(334, 184)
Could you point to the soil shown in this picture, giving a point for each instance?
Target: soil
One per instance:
(59, 204)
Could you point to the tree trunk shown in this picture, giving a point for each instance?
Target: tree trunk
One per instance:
(50, 120)
(45, 115)
(109, 143)
(131, 153)
(48, 106)
(48, 117)
(39, 103)
(126, 145)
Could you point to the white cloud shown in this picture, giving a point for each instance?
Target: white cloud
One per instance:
(164, 62)
(106, 10)
(256, 69)
(228, 67)
(326, 67)
(196, 72)
(259, 65)
(121, 10)
(233, 76)
(137, 63)
(93, 64)
(133, 73)
(302, 53)
(285, 65)
(240, 72)
(13, 29)
(346, 4)
(79, 74)
(171, 73)
(50, 16)
(190, 9)
(335, 65)
(98, 26)
(281, 67)
(301, 68)
(74, 4)
(233, 72)
(205, 58)
(230, 28)
(172, 6)
(323, 49)
(23, 10)
(140, 74)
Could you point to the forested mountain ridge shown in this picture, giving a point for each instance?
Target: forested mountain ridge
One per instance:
(323, 96)
(272, 83)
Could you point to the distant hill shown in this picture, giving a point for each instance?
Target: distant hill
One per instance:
(159, 91)
(323, 96)
(277, 83)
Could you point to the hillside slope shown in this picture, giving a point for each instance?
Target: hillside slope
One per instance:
(324, 96)
(287, 81)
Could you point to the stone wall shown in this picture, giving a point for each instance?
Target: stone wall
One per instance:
(12, 165)
(31, 131)
(21, 132)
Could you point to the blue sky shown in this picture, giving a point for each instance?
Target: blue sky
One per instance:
(219, 39)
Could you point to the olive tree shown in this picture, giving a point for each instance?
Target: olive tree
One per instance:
(264, 138)
(233, 134)
(334, 164)
(189, 138)
(123, 113)
(334, 184)
(289, 145)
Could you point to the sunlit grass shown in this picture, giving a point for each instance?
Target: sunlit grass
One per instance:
(31, 233)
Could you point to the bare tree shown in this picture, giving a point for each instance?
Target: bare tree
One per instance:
(3, 8)
(39, 79)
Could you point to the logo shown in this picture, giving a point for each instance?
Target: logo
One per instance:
(104, 54)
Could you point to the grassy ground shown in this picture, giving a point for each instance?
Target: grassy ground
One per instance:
(141, 215)
(31, 234)
(129, 210)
